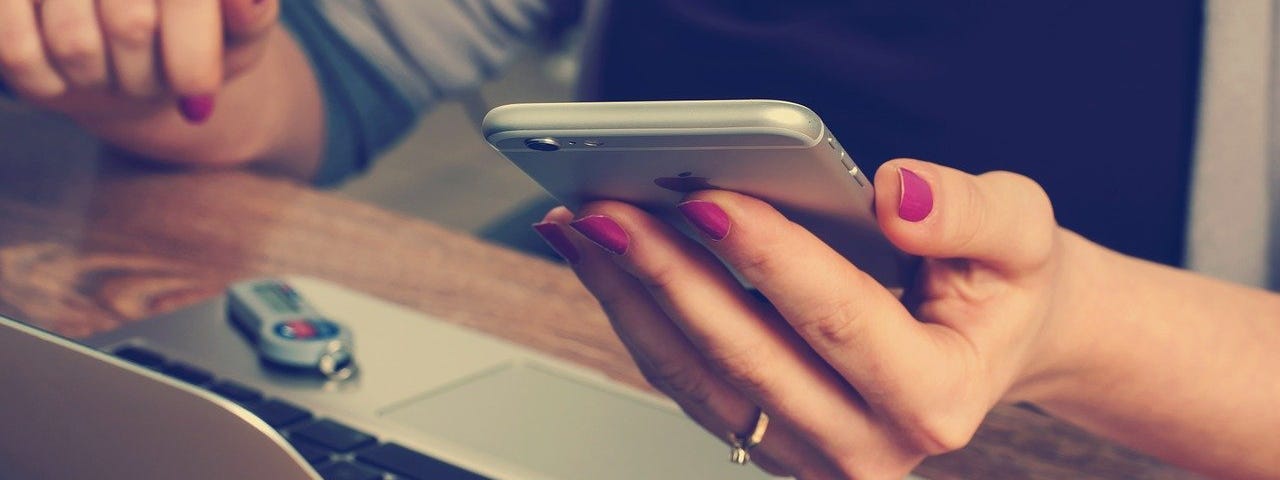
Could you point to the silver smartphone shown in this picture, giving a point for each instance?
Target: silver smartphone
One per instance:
(652, 154)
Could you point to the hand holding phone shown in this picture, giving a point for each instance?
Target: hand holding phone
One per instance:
(652, 154)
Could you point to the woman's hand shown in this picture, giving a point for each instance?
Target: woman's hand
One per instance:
(103, 61)
(144, 75)
(857, 383)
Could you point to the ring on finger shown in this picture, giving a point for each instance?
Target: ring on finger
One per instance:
(740, 445)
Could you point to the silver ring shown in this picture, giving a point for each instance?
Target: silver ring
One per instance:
(740, 445)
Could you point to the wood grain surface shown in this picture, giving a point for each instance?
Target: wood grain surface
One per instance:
(88, 243)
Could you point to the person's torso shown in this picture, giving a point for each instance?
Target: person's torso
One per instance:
(1095, 100)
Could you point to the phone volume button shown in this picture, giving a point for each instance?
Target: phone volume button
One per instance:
(857, 178)
(848, 162)
(854, 172)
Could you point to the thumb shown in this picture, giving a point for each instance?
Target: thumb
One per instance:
(1001, 219)
(249, 20)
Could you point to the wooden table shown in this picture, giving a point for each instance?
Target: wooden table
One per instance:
(88, 243)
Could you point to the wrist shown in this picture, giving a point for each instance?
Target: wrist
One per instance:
(1079, 319)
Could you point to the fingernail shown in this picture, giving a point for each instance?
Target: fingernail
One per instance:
(917, 199)
(196, 109)
(558, 241)
(603, 231)
(708, 217)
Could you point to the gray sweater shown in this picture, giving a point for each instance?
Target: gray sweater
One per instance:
(384, 62)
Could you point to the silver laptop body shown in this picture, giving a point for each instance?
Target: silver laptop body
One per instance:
(469, 400)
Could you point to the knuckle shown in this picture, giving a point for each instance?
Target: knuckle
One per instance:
(851, 467)
(759, 262)
(1027, 191)
(22, 60)
(755, 264)
(860, 470)
(858, 467)
(743, 367)
(759, 258)
(612, 302)
(809, 472)
(836, 322)
(143, 87)
(19, 56)
(193, 83)
(935, 433)
(685, 383)
(773, 469)
(131, 24)
(1034, 211)
(76, 47)
(662, 276)
(46, 90)
(965, 231)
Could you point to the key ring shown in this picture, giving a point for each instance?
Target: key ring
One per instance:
(335, 363)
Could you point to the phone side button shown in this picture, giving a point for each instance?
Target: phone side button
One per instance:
(857, 178)
(852, 168)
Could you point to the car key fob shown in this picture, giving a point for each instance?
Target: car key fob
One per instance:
(288, 331)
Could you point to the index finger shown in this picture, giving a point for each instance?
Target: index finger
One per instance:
(191, 40)
(849, 319)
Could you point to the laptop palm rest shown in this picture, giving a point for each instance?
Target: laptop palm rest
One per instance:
(470, 399)
(554, 423)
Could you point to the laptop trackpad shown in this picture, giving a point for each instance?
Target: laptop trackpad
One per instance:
(552, 423)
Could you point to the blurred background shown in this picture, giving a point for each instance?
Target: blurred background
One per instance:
(445, 172)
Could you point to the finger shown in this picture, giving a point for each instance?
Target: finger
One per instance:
(23, 63)
(249, 20)
(249, 24)
(1001, 219)
(848, 318)
(131, 27)
(74, 42)
(742, 339)
(667, 359)
(191, 46)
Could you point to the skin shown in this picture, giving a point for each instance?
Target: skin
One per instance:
(121, 68)
(859, 384)
(1008, 307)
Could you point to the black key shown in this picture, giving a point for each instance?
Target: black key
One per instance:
(408, 463)
(310, 452)
(333, 435)
(188, 373)
(141, 356)
(348, 471)
(278, 413)
(236, 392)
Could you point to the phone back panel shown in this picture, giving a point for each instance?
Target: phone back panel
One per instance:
(652, 154)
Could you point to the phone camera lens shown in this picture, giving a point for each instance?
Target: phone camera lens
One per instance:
(546, 144)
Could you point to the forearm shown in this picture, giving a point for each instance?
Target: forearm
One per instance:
(270, 117)
(1174, 364)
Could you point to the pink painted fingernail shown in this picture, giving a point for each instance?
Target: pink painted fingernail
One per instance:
(196, 109)
(916, 201)
(603, 231)
(708, 217)
(558, 241)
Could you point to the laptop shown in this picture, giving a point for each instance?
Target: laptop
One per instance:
(185, 396)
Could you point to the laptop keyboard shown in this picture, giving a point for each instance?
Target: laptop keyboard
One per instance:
(337, 452)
